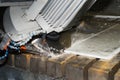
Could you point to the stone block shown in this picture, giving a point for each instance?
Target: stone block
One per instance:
(43, 64)
(11, 59)
(34, 64)
(38, 64)
(22, 61)
(56, 65)
(78, 69)
(104, 70)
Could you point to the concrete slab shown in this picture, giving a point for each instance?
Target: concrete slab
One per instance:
(104, 45)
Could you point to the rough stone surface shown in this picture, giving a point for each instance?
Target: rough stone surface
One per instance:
(51, 68)
(43, 64)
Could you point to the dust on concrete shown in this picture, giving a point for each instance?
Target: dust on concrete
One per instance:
(88, 26)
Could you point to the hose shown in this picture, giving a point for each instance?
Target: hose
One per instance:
(5, 55)
(30, 35)
(53, 36)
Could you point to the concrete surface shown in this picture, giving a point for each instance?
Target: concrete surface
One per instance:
(9, 73)
(104, 45)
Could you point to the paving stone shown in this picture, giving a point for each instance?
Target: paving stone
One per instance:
(104, 70)
(11, 59)
(34, 64)
(22, 61)
(78, 69)
(117, 75)
(51, 68)
(43, 64)
(38, 64)
(56, 66)
(62, 62)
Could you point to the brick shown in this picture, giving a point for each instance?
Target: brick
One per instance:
(117, 75)
(56, 66)
(34, 64)
(104, 70)
(22, 61)
(43, 64)
(51, 68)
(38, 64)
(61, 64)
(78, 69)
(11, 59)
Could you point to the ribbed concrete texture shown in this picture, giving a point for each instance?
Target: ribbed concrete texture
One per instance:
(66, 67)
